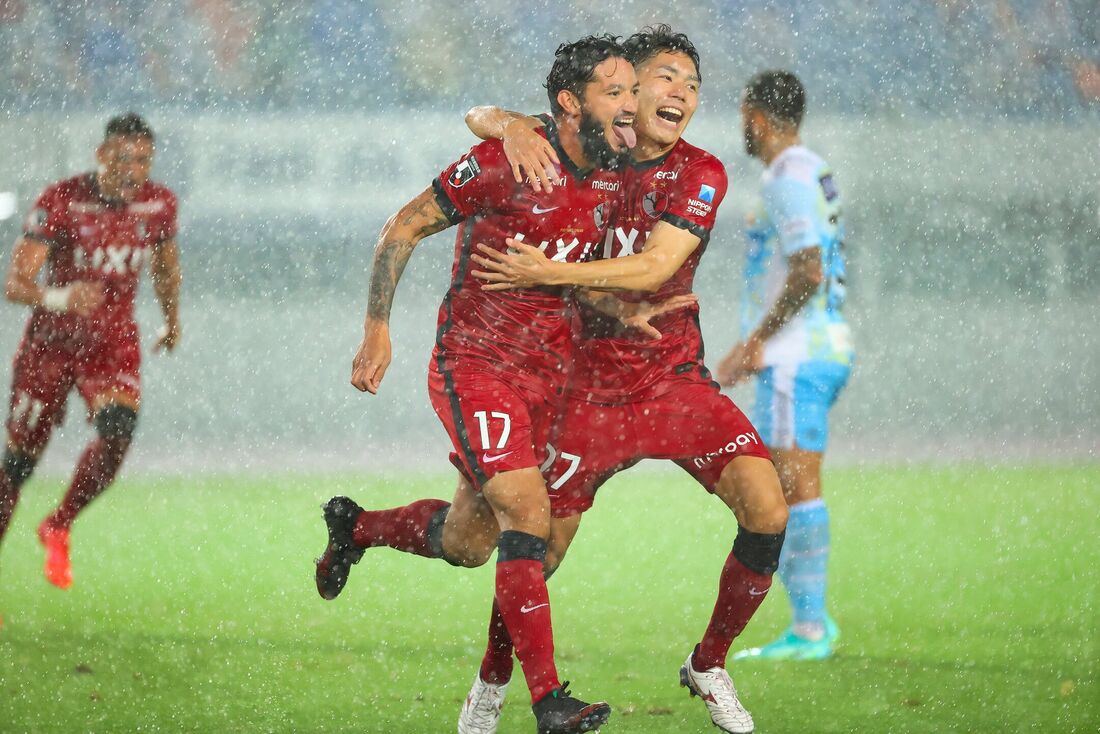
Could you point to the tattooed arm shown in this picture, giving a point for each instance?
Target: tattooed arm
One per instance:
(416, 220)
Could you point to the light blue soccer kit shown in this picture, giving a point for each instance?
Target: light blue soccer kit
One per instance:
(808, 361)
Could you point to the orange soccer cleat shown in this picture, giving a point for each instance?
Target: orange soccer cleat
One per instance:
(56, 542)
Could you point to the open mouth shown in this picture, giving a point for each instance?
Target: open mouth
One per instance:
(624, 130)
(671, 114)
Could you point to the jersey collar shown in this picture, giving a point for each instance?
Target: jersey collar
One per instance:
(651, 163)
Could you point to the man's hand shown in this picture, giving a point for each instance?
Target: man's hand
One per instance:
(524, 266)
(374, 356)
(638, 315)
(85, 297)
(531, 155)
(168, 337)
(744, 360)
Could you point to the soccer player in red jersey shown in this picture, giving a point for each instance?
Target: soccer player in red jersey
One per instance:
(90, 235)
(499, 363)
(631, 398)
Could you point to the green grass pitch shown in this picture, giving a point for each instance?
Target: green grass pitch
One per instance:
(967, 600)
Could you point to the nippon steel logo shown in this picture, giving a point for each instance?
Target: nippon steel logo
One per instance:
(730, 448)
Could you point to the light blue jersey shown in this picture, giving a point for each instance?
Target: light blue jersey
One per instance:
(807, 362)
(799, 208)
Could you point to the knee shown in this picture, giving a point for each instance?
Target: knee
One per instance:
(116, 423)
(18, 466)
(470, 551)
(770, 518)
(467, 556)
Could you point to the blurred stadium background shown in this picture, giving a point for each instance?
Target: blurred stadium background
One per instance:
(964, 133)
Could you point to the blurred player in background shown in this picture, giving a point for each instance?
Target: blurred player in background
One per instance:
(796, 342)
(632, 396)
(498, 366)
(88, 237)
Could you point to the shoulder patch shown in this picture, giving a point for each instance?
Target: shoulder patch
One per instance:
(828, 186)
(706, 193)
(465, 172)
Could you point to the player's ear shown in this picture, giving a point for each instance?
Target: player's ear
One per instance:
(569, 102)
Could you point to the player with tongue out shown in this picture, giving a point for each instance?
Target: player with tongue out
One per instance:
(631, 397)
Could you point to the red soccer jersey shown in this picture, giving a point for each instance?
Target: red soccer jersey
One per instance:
(615, 365)
(523, 333)
(93, 239)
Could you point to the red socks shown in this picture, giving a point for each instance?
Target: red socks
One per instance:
(496, 666)
(403, 528)
(95, 471)
(525, 608)
(740, 592)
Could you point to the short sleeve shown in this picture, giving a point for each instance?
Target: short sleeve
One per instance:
(474, 183)
(694, 198)
(46, 220)
(792, 206)
(164, 226)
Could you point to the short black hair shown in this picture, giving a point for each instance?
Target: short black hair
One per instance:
(130, 123)
(575, 62)
(655, 39)
(779, 94)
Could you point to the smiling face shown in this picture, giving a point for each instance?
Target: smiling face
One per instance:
(607, 110)
(667, 98)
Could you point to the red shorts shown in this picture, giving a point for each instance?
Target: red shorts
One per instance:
(44, 372)
(693, 424)
(495, 424)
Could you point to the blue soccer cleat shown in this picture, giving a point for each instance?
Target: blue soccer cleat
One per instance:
(790, 646)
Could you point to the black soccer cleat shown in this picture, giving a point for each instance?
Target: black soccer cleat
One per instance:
(335, 563)
(559, 713)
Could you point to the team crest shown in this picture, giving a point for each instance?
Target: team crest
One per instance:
(655, 203)
(599, 214)
(464, 173)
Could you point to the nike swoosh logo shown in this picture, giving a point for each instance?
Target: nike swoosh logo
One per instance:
(540, 210)
(486, 459)
(753, 591)
(525, 609)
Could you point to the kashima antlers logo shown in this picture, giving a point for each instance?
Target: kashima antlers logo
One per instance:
(655, 203)
(599, 214)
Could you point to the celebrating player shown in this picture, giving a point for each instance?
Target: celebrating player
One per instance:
(796, 342)
(91, 234)
(632, 398)
(498, 365)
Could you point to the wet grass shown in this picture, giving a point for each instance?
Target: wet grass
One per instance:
(967, 599)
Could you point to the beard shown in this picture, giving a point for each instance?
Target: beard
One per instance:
(595, 146)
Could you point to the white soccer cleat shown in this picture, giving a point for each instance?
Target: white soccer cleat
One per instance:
(716, 689)
(481, 709)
